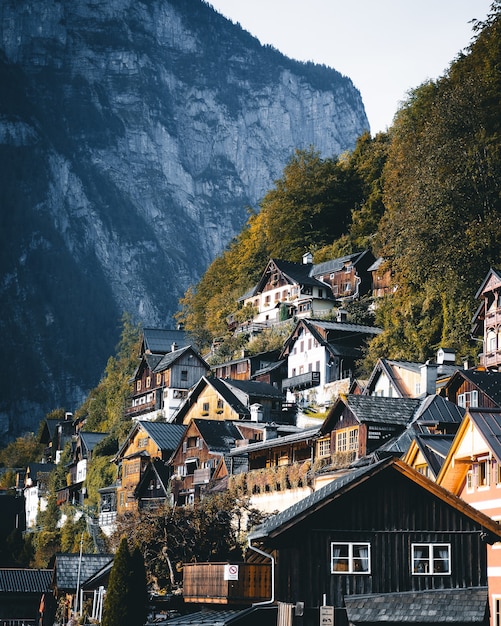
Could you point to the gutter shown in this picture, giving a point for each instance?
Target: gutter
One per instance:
(268, 556)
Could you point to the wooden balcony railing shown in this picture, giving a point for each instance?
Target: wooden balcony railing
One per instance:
(302, 381)
(225, 583)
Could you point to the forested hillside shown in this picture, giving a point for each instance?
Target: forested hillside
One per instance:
(425, 196)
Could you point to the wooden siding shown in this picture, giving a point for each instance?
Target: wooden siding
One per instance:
(210, 397)
(390, 513)
(204, 583)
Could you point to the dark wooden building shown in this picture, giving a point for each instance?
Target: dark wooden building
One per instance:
(372, 535)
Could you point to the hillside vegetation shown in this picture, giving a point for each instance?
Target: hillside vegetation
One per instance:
(425, 196)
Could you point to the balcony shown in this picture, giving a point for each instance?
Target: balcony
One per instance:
(225, 583)
(140, 409)
(302, 381)
(201, 476)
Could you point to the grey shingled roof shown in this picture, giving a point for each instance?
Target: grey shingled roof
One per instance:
(14, 580)
(253, 388)
(303, 434)
(342, 326)
(335, 265)
(90, 440)
(487, 381)
(219, 435)
(381, 410)
(448, 606)
(66, 568)
(160, 340)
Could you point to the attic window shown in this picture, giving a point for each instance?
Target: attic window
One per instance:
(148, 382)
(138, 385)
(159, 379)
(350, 558)
(431, 558)
(184, 375)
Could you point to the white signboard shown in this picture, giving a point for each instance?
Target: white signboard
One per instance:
(231, 572)
(326, 616)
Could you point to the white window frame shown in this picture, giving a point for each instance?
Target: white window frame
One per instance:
(352, 561)
(427, 564)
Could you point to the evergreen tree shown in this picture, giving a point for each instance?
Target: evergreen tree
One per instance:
(139, 608)
(116, 611)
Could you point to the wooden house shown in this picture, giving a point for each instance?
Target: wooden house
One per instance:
(145, 442)
(319, 354)
(197, 456)
(161, 382)
(381, 544)
(25, 596)
(359, 425)
(348, 277)
(486, 322)
(382, 283)
(474, 388)
(225, 399)
(247, 366)
(472, 471)
(55, 434)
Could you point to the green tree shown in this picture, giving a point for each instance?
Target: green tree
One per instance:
(127, 595)
(22, 451)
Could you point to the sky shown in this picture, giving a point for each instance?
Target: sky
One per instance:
(386, 47)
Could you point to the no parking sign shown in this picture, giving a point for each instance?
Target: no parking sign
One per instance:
(231, 572)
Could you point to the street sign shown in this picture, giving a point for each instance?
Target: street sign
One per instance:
(326, 616)
(230, 572)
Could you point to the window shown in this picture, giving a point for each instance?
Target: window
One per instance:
(241, 367)
(320, 293)
(353, 439)
(496, 610)
(324, 447)
(422, 469)
(138, 385)
(148, 382)
(341, 441)
(491, 340)
(159, 379)
(308, 291)
(220, 403)
(468, 398)
(205, 407)
(431, 558)
(350, 558)
(143, 442)
(347, 286)
(335, 289)
(483, 473)
(184, 375)
(469, 481)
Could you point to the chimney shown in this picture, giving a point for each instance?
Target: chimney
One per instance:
(173, 347)
(342, 315)
(270, 432)
(256, 412)
(429, 378)
(307, 258)
(446, 356)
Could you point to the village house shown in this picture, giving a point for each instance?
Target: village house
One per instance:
(34, 484)
(348, 277)
(197, 456)
(55, 434)
(404, 379)
(251, 367)
(382, 283)
(225, 399)
(23, 592)
(321, 355)
(427, 453)
(146, 441)
(374, 544)
(486, 323)
(162, 381)
(474, 388)
(472, 471)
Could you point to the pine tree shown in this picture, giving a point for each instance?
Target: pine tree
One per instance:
(139, 606)
(117, 602)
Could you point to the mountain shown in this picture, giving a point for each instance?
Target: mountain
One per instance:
(133, 138)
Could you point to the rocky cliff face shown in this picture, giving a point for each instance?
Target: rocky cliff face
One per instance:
(133, 137)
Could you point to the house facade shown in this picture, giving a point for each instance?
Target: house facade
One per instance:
(472, 471)
(486, 323)
(365, 540)
(162, 381)
(145, 442)
(319, 355)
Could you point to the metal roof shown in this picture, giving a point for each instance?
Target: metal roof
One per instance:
(166, 435)
(450, 606)
(219, 435)
(308, 433)
(488, 423)
(14, 580)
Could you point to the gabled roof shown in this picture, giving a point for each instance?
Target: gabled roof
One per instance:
(487, 381)
(160, 340)
(374, 410)
(157, 468)
(170, 358)
(165, 435)
(436, 410)
(253, 388)
(13, 580)
(434, 449)
(67, 566)
(493, 275)
(335, 265)
(281, 522)
(219, 435)
(90, 440)
(34, 470)
(451, 606)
